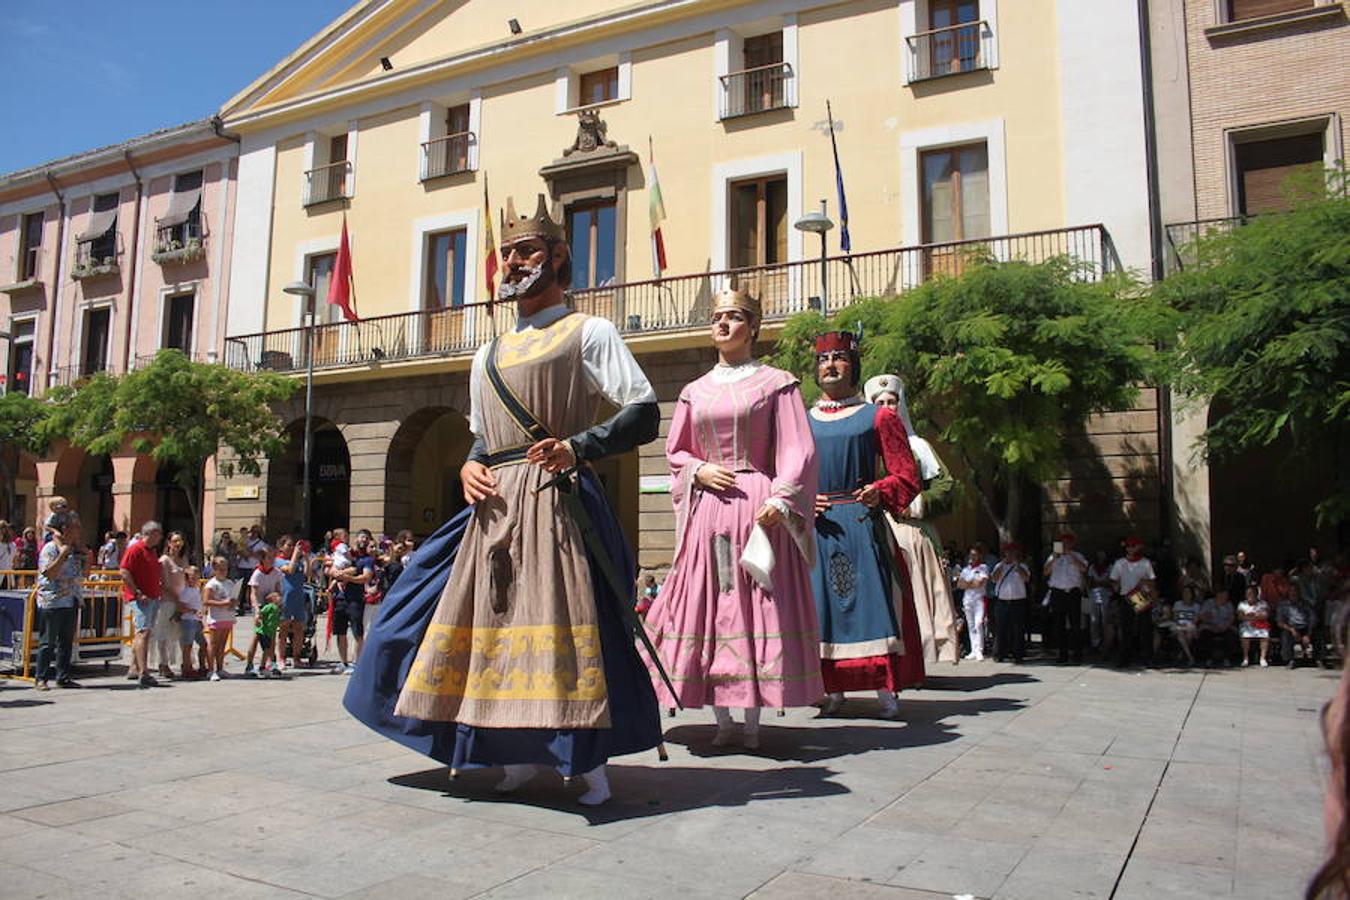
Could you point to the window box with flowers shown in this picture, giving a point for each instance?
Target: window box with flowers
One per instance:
(89, 267)
(175, 251)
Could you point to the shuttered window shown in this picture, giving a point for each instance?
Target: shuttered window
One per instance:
(1264, 166)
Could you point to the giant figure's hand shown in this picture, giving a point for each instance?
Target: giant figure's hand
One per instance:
(769, 516)
(715, 477)
(868, 496)
(477, 481)
(552, 455)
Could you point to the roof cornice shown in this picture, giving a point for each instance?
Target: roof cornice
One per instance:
(67, 166)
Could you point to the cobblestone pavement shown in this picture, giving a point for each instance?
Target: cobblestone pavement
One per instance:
(1030, 781)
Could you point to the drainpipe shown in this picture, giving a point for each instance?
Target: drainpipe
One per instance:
(134, 254)
(56, 288)
(1155, 244)
(219, 128)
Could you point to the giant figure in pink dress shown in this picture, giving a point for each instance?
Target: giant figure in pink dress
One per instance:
(735, 622)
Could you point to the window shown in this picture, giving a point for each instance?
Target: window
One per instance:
(762, 81)
(955, 43)
(1253, 9)
(759, 225)
(178, 322)
(97, 329)
(955, 193)
(597, 87)
(21, 356)
(447, 256)
(320, 274)
(1263, 166)
(183, 222)
(591, 233)
(328, 180)
(30, 247)
(449, 153)
(99, 240)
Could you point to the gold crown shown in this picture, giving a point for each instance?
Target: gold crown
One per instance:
(735, 298)
(540, 225)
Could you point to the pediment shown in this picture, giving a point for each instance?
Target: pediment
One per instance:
(409, 33)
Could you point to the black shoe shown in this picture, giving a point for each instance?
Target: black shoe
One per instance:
(148, 681)
(68, 683)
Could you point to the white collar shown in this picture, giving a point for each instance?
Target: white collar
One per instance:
(544, 318)
(730, 374)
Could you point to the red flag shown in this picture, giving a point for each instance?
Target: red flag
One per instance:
(492, 262)
(341, 292)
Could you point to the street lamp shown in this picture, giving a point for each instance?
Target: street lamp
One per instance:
(302, 289)
(819, 223)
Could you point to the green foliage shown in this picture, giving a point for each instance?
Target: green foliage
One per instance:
(1265, 313)
(21, 422)
(1004, 360)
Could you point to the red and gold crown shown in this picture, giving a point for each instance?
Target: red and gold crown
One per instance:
(539, 225)
(831, 341)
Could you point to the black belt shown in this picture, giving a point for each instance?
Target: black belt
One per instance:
(507, 456)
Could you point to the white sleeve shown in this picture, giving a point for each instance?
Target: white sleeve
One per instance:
(610, 366)
(476, 388)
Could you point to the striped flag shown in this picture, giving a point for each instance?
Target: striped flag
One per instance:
(844, 243)
(341, 289)
(492, 258)
(657, 209)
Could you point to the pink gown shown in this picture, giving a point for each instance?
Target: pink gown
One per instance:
(724, 639)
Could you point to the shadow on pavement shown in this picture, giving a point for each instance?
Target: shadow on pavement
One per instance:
(639, 791)
(23, 704)
(970, 683)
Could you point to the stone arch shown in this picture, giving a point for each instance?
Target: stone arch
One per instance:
(421, 477)
(330, 481)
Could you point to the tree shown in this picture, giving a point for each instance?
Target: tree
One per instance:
(1265, 317)
(1004, 360)
(21, 419)
(181, 413)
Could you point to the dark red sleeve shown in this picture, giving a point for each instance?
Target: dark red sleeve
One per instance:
(901, 484)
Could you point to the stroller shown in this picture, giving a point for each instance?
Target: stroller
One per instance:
(315, 604)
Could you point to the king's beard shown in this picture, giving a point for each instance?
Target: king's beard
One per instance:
(535, 280)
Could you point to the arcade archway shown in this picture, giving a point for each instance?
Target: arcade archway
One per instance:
(330, 482)
(422, 487)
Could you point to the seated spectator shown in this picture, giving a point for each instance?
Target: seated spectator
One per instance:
(1254, 625)
(1216, 630)
(1296, 620)
(1185, 613)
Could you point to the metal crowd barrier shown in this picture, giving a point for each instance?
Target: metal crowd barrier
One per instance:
(102, 628)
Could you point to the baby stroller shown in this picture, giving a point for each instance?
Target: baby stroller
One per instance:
(309, 648)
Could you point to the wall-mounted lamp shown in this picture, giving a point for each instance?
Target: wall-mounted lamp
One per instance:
(514, 25)
(386, 64)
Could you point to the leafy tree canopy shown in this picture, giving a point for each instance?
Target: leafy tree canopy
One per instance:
(1003, 360)
(21, 422)
(1265, 314)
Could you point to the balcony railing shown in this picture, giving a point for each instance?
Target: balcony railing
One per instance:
(447, 155)
(756, 90)
(181, 243)
(950, 51)
(661, 305)
(95, 259)
(326, 183)
(1183, 238)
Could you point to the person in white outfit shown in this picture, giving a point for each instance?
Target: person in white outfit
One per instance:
(971, 582)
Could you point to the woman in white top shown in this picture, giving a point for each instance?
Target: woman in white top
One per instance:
(1254, 624)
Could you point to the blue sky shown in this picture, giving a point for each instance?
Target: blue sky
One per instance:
(84, 74)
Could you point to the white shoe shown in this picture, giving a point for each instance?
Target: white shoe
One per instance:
(1264, 664)
(832, 704)
(890, 706)
(598, 784)
(215, 676)
(516, 775)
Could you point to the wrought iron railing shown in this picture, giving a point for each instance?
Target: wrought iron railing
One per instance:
(949, 51)
(672, 304)
(326, 183)
(1183, 237)
(181, 243)
(756, 90)
(447, 155)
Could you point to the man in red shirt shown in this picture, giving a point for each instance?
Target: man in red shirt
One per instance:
(141, 588)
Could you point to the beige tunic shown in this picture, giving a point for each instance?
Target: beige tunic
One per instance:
(515, 641)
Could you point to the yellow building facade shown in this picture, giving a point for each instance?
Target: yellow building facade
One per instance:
(1019, 125)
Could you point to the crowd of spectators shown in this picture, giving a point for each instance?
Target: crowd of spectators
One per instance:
(1131, 609)
(184, 616)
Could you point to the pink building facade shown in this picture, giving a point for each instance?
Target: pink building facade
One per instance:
(106, 258)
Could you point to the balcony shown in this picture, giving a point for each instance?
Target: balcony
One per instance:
(967, 47)
(326, 183)
(447, 155)
(756, 90)
(1183, 237)
(179, 244)
(95, 259)
(672, 305)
